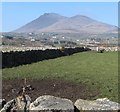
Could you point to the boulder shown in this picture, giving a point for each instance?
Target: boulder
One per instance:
(97, 105)
(2, 103)
(17, 104)
(8, 106)
(50, 103)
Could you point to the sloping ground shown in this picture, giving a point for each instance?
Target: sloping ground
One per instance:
(52, 22)
(96, 70)
(59, 88)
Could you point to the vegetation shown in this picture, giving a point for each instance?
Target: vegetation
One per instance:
(97, 70)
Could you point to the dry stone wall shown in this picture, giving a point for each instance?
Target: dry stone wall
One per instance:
(12, 59)
(47, 103)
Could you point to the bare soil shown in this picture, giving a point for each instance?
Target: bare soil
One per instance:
(59, 88)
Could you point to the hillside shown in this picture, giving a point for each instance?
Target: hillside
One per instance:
(43, 21)
(52, 22)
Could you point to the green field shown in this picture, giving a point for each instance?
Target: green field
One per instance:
(97, 70)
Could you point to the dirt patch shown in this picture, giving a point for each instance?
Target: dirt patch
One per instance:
(59, 88)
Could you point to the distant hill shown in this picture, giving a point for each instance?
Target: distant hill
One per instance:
(42, 22)
(52, 22)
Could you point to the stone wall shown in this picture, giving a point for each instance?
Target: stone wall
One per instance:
(49, 103)
(12, 59)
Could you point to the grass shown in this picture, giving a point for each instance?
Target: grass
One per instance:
(97, 70)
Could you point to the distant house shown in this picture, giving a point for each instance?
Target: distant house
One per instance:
(32, 40)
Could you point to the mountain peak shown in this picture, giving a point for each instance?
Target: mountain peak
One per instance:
(46, 14)
(53, 22)
(81, 17)
(51, 15)
(43, 21)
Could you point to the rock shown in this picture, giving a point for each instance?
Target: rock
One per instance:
(96, 105)
(2, 103)
(50, 103)
(8, 106)
(17, 104)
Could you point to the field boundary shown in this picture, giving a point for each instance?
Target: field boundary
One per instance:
(16, 58)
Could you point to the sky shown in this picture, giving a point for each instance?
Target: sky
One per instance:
(17, 14)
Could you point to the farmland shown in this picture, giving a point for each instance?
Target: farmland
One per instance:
(98, 71)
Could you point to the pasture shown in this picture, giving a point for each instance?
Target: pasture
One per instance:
(96, 70)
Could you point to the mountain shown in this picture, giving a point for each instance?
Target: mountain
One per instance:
(51, 22)
(42, 22)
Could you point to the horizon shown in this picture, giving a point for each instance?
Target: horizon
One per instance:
(13, 17)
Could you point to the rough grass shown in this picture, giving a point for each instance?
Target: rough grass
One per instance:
(97, 70)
